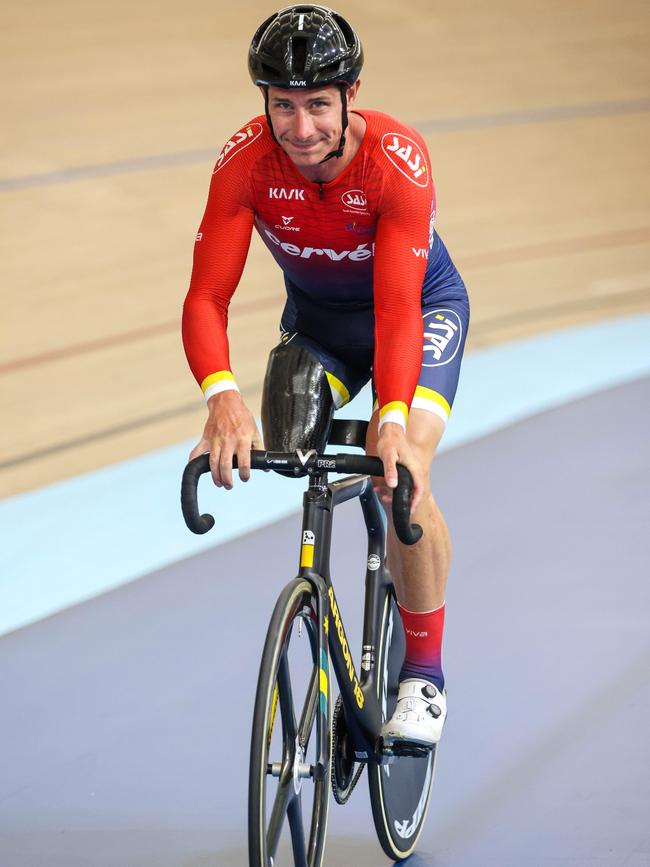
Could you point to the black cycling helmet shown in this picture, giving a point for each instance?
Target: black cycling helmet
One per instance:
(306, 46)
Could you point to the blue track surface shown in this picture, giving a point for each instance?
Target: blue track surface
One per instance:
(126, 720)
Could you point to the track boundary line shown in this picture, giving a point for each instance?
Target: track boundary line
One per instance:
(517, 117)
(527, 252)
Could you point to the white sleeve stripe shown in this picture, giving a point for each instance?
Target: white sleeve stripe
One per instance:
(218, 387)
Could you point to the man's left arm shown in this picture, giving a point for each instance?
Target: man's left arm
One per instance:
(401, 250)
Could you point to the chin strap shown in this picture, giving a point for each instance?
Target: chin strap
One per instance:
(268, 116)
(338, 153)
(343, 89)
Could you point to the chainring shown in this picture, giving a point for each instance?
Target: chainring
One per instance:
(344, 774)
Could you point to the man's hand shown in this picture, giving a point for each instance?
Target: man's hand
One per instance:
(392, 447)
(230, 430)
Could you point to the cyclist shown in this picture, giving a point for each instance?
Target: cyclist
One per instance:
(344, 200)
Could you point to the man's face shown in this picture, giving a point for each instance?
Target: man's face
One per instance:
(307, 123)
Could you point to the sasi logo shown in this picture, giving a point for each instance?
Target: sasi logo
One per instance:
(443, 333)
(355, 199)
(406, 155)
(237, 143)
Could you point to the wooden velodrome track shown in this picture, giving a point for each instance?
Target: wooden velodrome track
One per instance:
(536, 114)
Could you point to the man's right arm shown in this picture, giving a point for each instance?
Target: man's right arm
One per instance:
(220, 253)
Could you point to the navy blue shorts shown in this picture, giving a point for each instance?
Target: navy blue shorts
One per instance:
(343, 341)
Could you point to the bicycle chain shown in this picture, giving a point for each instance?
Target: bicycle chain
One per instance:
(341, 796)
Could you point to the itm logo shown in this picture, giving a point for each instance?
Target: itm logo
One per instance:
(406, 155)
(281, 193)
(360, 230)
(355, 199)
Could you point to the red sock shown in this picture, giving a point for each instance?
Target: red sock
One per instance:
(423, 631)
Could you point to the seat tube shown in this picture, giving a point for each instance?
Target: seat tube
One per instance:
(377, 580)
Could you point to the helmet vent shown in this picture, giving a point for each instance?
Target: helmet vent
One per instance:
(269, 72)
(298, 55)
(330, 70)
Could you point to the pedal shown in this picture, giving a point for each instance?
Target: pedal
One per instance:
(398, 748)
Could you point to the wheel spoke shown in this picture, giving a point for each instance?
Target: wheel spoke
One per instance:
(309, 709)
(297, 832)
(286, 700)
(279, 811)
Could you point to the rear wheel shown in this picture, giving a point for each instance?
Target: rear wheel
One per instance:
(288, 796)
(399, 791)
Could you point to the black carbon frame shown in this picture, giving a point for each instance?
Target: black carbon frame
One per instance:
(319, 501)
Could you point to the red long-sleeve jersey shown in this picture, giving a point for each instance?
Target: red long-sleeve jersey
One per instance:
(362, 238)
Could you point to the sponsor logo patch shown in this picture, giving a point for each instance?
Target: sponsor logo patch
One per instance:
(359, 254)
(360, 230)
(281, 193)
(443, 332)
(237, 143)
(356, 200)
(286, 225)
(406, 155)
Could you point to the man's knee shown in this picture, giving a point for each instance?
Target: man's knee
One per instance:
(297, 406)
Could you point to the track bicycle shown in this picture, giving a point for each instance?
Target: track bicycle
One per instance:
(300, 744)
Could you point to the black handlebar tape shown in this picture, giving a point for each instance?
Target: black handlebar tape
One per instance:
(366, 465)
(407, 533)
(197, 523)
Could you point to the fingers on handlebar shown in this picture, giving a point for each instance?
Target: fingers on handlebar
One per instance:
(229, 456)
(244, 461)
(217, 462)
(390, 470)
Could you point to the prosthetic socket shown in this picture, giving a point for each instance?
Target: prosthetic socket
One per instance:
(297, 405)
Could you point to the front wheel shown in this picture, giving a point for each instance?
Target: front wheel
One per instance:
(399, 791)
(288, 794)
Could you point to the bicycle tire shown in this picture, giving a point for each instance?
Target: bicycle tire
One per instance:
(400, 791)
(280, 754)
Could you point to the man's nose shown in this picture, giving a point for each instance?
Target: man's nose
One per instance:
(303, 124)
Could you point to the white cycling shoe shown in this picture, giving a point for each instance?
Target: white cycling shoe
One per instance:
(420, 714)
